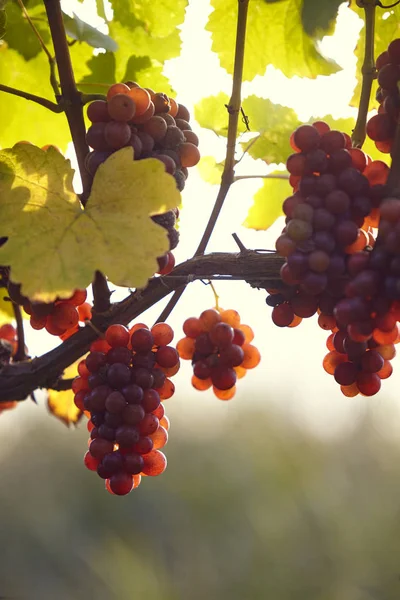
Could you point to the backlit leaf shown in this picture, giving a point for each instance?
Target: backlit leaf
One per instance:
(210, 170)
(275, 35)
(55, 246)
(212, 113)
(83, 32)
(267, 206)
(61, 404)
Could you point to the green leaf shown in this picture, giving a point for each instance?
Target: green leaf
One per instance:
(83, 32)
(210, 170)
(100, 9)
(386, 30)
(267, 206)
(54, 246)
(147, 73)
(23, 119)
(101, 73)
(144, 44)
(19, 34)
(319, 16)
(159, 18)
(275, 124)
(275, 35)
(211, 113)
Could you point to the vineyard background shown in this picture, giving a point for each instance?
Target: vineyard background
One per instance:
(289, 491)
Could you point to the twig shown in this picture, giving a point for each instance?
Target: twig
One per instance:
(368, 75)
(57, 108)
(17, 381)
(250, 144)
(271, 176)
(20, 353)
(228, 172)
(239, 242)
(70, 93)
(52, 62)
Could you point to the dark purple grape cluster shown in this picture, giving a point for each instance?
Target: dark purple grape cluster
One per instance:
(333, 266)
(381, 128)
(121, 385)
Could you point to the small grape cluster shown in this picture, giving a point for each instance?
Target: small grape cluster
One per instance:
(334, 265)
(381, 128)
(218, 345)
(60, 317)
(121, 384)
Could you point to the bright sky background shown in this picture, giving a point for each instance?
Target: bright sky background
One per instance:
(290, 375)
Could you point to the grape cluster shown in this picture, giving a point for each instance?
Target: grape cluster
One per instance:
(220, 350)
(155, 126)
(381, 128)
(334, 266)
(121, 384)
(60, 317)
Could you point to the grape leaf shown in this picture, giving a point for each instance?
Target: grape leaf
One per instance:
(275, 35)
(54, 246)
(21, 118)
(158, 18)
(210, 170)
(319, 16)
(20, 35)
(386, 30)
(212, 113)
(268, 200)
(101, 73)
(275, 123)
(61, 404)
(159, 48)
(83, 32)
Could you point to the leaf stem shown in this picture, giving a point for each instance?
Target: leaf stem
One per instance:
(56, 108)
(228, 173)
(368, 71)
(52, 62)
(71, 95)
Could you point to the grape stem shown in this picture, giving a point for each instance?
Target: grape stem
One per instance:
(56, 108)
(368, 71)
(52, 61)
(228, 174)
(18, 380)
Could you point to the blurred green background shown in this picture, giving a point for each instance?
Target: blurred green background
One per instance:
(251, 507)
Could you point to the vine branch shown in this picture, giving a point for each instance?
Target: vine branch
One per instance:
(18, 380)
(228, 173)
(56, 108)
(368, 74)
(71, 95)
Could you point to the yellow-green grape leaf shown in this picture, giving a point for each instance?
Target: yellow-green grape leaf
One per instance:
(211, 113)
(267, 206)
(275, 35)
(158, 18)
(386, 30)
(319, 16)
(61, 404)
(6, 309)
(22, 119)
(275, 124)
(54, 246)
(210, 170)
